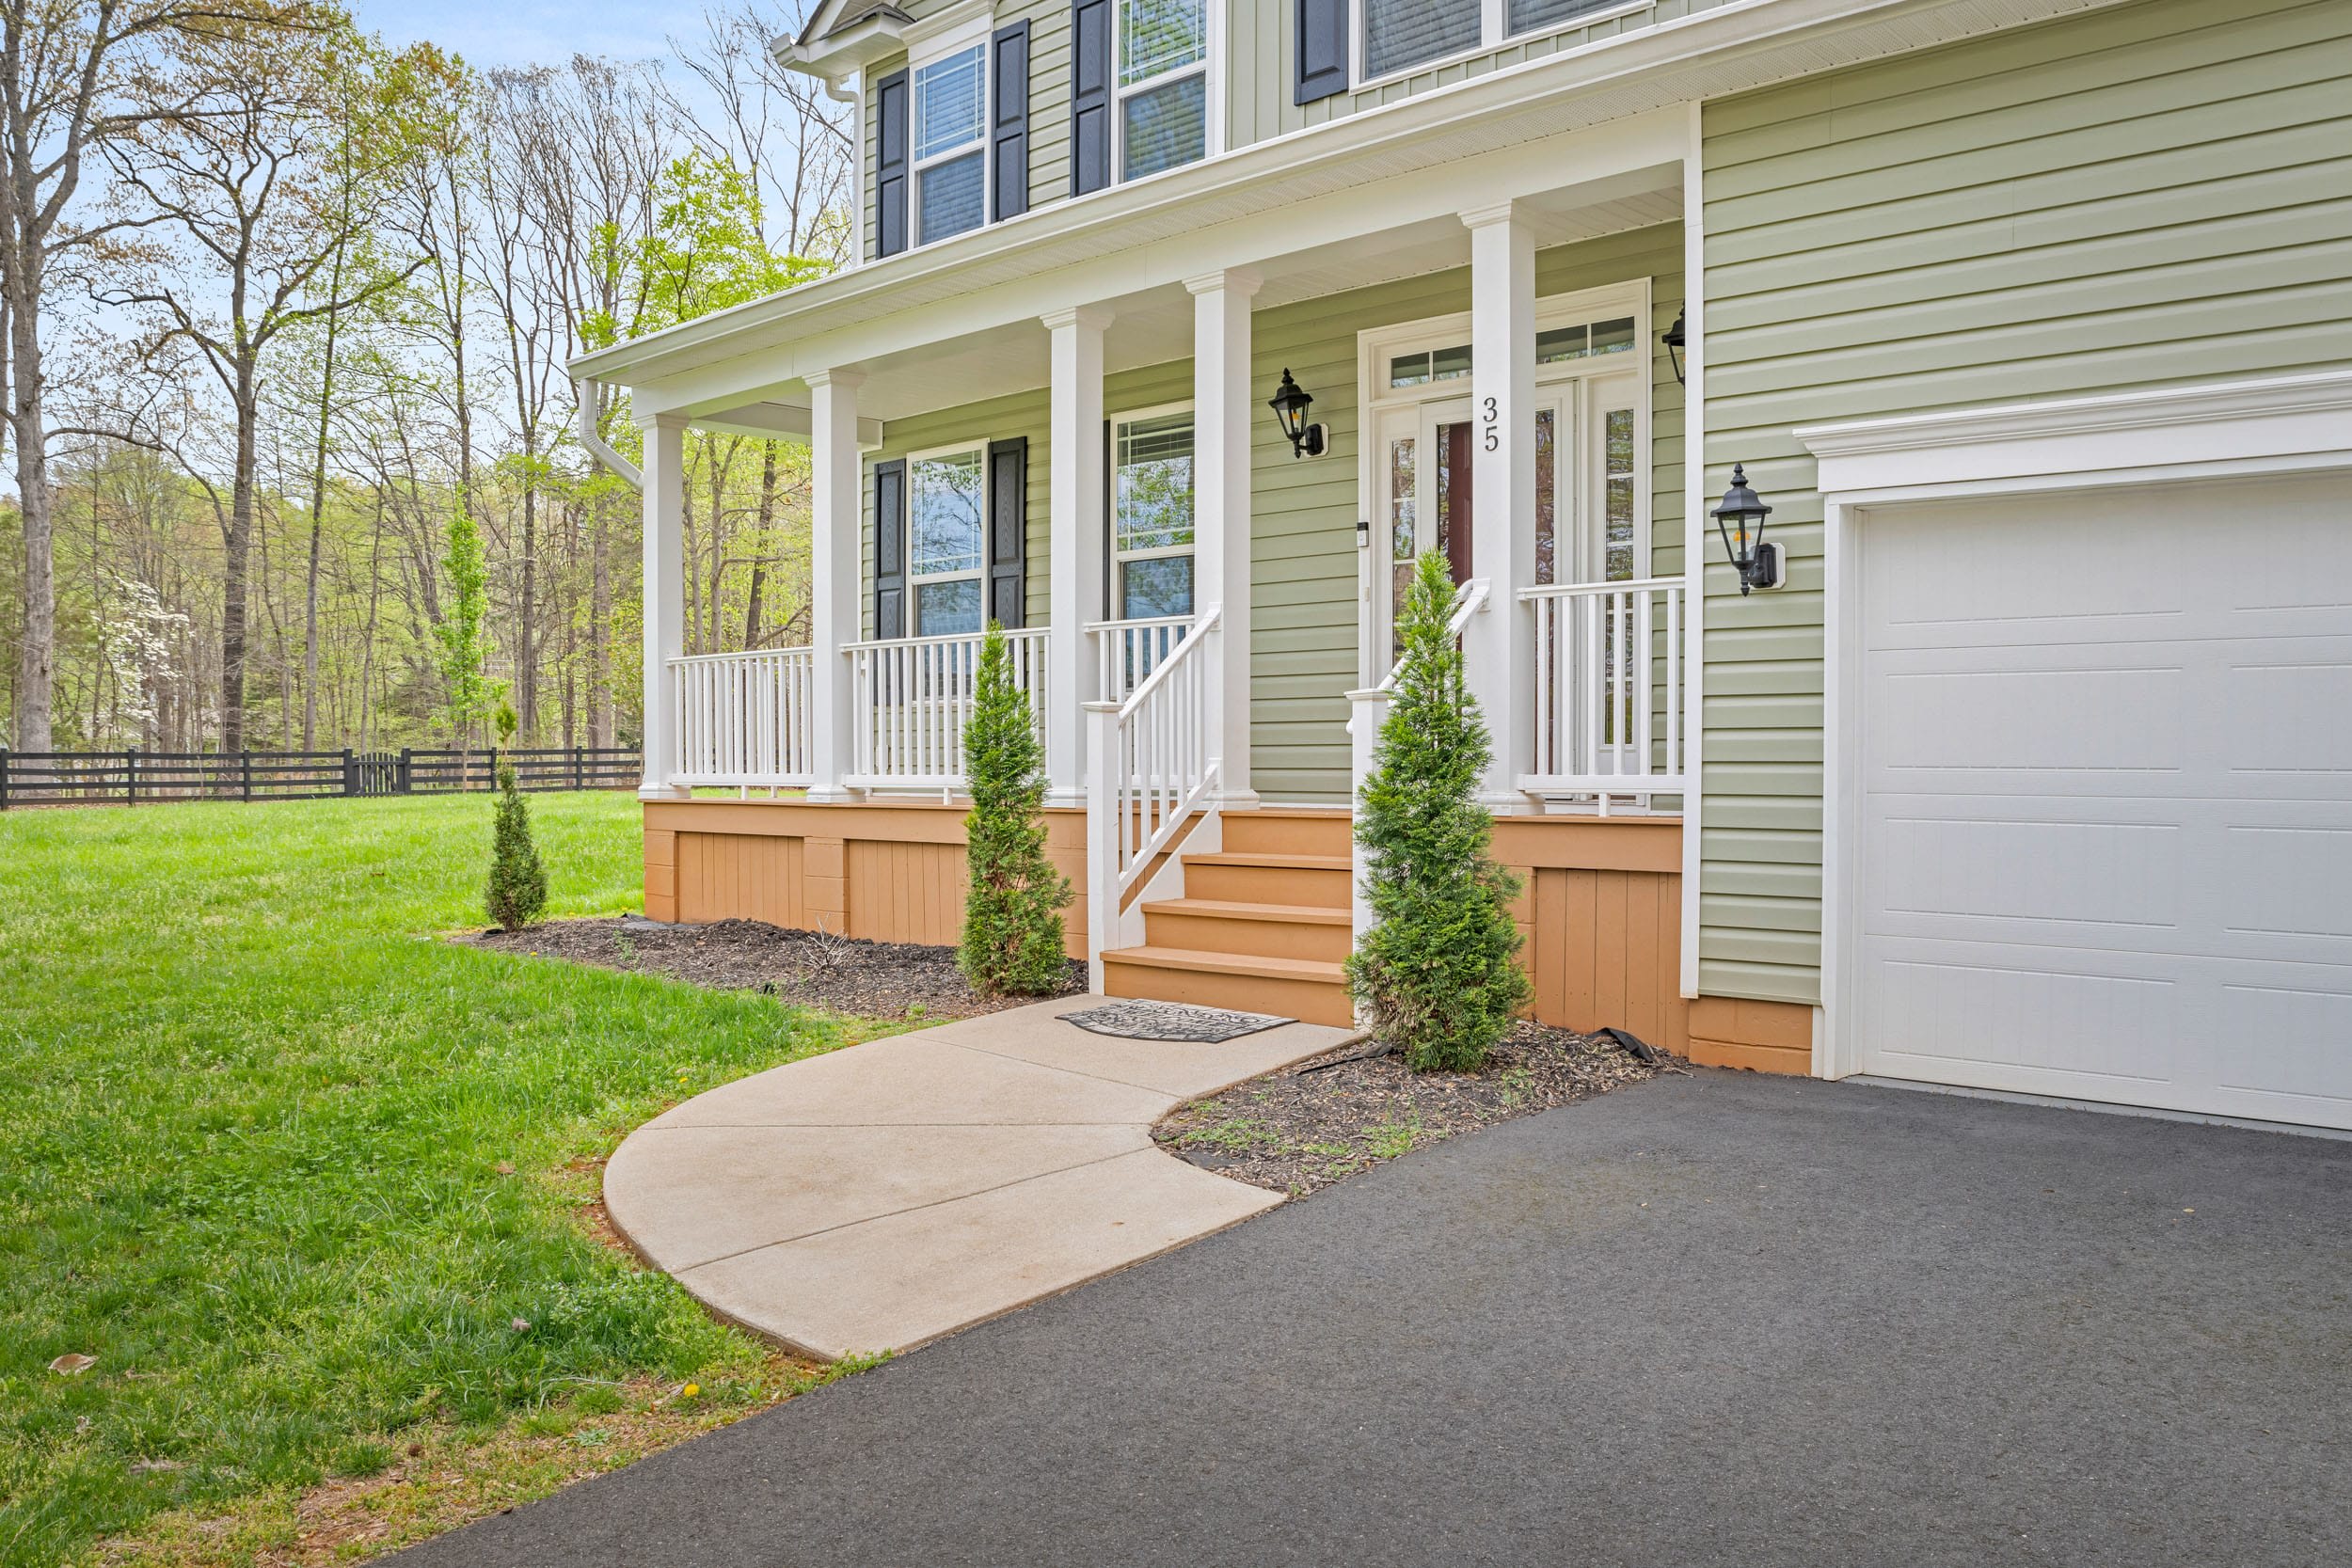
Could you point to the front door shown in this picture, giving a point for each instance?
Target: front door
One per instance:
(1587, 490)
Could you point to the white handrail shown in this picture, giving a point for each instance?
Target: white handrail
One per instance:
(912, 697)
(1608, 692)
(1469, 599)
(1149, 768)
(742, 718)
(1127, 651)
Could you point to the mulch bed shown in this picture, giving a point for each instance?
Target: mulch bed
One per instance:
(872, 980)
(1300, 1130)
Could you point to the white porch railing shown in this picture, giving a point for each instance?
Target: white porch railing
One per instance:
(1149, 768)
(1129, 651)
(742, 719)
(1608, 696)
(911, 697)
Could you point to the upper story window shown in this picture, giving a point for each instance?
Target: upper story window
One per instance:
(950, 158)
(1163, 84)
(1395, 36)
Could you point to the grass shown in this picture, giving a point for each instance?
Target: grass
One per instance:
(311, 1186)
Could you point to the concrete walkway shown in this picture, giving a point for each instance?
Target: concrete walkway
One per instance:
(879, 1197)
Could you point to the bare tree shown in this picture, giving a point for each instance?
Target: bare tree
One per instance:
(776, 125)
(75, 74)
(245, 188)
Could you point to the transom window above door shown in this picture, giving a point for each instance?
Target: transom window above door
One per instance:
(947, 513)
(1163, 84)
(1151, 515)
(1395, 36)
(950, 163)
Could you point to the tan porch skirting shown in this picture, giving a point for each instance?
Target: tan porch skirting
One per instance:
(1601, 910)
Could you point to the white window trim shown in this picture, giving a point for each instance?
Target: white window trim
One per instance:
(1213, 95)
(1493, 34)
(1157, 552)
(974, 31)
(924, 579)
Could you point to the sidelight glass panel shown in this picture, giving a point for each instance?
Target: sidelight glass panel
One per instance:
(1399, 34)
(1404, 526)
(1618, 501)
(1546, 493)
(1165, 127)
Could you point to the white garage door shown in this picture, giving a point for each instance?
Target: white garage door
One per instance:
(2105, 750)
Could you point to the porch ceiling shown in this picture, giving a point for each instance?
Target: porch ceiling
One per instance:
(1154, 326)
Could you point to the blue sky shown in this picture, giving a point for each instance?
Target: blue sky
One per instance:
(529, 32)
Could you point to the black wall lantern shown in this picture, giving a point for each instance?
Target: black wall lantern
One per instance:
(1740, 520)
(1290, 402)
(1676, 342)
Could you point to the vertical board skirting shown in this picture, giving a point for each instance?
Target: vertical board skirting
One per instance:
(1606, 953)
(741, 877)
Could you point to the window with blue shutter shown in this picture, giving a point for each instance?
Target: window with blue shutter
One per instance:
(1008, 119)
(890, 548)
(890, 165)
(1089, 96)
(1321, 56)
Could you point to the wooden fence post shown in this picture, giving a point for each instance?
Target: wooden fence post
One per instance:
(4, 778)
(580, 772)
(401, 780)
(130, 775)
(351, 773)
(244, 774)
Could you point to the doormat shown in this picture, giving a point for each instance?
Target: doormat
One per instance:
(1171, 1020)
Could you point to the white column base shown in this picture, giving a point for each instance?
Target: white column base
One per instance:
(663, 792)
(832, 795)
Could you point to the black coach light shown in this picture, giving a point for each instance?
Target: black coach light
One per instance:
(1676, 342)
(1740, 520)
(1290, 402)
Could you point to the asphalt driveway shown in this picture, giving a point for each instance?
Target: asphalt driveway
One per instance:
(1714, 1320)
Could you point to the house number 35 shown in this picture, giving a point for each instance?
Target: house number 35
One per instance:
(1493, 422)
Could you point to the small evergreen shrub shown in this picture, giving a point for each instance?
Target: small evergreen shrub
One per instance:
(1438, 974)
(518, 881)
(1012, 932)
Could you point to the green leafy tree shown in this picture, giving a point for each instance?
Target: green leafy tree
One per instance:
(1437, 975)
(1012, 932)
(464, 643)
(518, 879)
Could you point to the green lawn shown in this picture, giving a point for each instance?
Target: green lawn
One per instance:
(306, 1181)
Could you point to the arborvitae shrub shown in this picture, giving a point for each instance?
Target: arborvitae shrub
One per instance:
(1013, 931)
(518, 881)
(1438, 974)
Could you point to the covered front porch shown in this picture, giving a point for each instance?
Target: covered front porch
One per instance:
(1200, 602)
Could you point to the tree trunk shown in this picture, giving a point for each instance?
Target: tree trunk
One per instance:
(526, 641)
(766, 520)
(37, 647)
(234, 572)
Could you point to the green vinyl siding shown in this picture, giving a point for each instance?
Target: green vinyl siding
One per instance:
(1303, 557)
(2150, 195)
(1262, 54)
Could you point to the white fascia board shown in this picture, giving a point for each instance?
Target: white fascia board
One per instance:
(2274, 418)
(1730, 48)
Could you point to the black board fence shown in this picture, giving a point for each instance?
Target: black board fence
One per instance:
(135, 776)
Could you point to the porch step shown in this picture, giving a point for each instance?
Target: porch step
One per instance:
(1289, 831)
(1310, 990)
(1234, 926)
(1315, 881)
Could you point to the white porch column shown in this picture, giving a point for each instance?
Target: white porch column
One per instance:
(1499, 653)
(1221, 404)
(665, 600)
(836, 516)
(1075, 544)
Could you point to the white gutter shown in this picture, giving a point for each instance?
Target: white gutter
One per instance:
(584, 393)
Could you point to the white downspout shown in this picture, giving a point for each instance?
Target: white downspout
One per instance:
(584, 392)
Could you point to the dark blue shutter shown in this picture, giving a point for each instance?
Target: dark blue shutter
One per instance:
(890, 165)
(1090, 95)
(890, 548)
(1320, 35)
(1007, 531)
(1009, 120)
